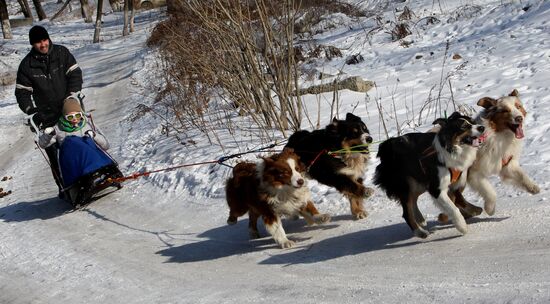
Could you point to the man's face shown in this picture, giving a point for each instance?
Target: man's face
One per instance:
(42, 46)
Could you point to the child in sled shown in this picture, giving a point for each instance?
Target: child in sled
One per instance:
(73, 122)
(81, 145)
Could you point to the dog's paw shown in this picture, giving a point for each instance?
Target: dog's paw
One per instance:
(489, 208)
(368, 192)
(460, 225)
(322, 218)
(471, 211)
(287, 244)
(360, 214)
(533, 189)
(421, 233)
(231, 220)
(252, 234)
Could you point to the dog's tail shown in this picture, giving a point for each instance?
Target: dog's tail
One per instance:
(239, 188)
(388, 174)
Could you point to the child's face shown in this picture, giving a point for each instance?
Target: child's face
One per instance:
(74, 117)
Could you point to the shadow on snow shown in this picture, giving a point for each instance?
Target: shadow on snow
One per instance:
(374, 239)
(228, 241)
(28, 211)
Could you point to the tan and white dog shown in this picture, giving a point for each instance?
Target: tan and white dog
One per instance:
(503, 119)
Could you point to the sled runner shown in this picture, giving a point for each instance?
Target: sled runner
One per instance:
(90, 187)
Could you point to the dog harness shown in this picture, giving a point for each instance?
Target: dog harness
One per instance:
(455, 175)
(507, 160)
(316, 158)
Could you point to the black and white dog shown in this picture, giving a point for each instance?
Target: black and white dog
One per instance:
(343, 170)
(435, 162)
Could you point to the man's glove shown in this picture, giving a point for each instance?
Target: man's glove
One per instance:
(35, 120)
(32, 111)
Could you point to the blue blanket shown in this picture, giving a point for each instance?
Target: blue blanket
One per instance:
(79, 156)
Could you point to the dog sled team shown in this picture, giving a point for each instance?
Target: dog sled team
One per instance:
(459, 151)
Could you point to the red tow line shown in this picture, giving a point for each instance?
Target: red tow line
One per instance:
(147, 173)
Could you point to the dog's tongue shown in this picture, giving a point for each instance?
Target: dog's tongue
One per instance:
(476, 142)
(482, 138)
(519, 132)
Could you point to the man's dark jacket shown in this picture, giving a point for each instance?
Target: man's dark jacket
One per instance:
(49, 79)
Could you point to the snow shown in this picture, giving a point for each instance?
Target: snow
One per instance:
(164, 239)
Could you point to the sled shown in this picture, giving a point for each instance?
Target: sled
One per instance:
(93, 186)
(87, 171)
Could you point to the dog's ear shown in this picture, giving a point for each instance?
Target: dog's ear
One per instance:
(333, 126)
(268, 159)
(352, 118)
(455, 115)
(514, 93)
(287, 151)
(440, 121)
(487, 102)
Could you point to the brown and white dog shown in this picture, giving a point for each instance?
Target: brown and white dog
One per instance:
(503, 119)
(271, 189)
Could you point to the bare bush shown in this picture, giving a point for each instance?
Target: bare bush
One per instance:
(406, 15)
(311, 12)
(399, 31)
(441, 104)
(241, 51)
(465, 12)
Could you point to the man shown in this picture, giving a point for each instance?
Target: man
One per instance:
(46, 76)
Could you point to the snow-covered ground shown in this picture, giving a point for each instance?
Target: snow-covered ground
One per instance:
(164, 239)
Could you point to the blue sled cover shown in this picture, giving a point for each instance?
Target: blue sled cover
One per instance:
(79, 156)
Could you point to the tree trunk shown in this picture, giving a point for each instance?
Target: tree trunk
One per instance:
(125, 30)
(98, 20)
(5, 17)
(132, 15)
(39, 10)
(25, 8)
(60, 10)
(86, 11)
